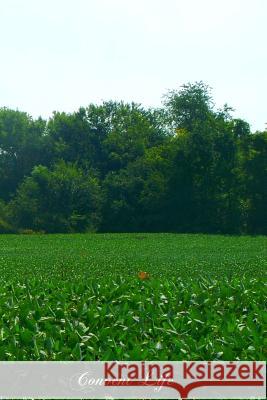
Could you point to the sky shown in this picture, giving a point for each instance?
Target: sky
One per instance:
(63, 54)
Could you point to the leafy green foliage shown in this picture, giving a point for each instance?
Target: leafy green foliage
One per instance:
(5, 227)
(21, 147)
(64, 199)
(78, 297)
(186, 167)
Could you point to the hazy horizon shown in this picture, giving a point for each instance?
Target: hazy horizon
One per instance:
(60, 55)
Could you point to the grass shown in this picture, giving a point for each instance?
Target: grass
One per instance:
(78, 297)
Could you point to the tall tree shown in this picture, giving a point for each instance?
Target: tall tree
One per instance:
(63, 199)
(21, 147)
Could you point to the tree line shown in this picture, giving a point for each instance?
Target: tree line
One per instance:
(118, 167)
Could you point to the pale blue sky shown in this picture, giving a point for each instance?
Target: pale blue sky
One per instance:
(62, 54)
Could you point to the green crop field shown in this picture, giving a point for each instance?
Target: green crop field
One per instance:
(78, 297)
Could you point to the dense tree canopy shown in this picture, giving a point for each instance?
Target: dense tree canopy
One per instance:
(186, 167)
